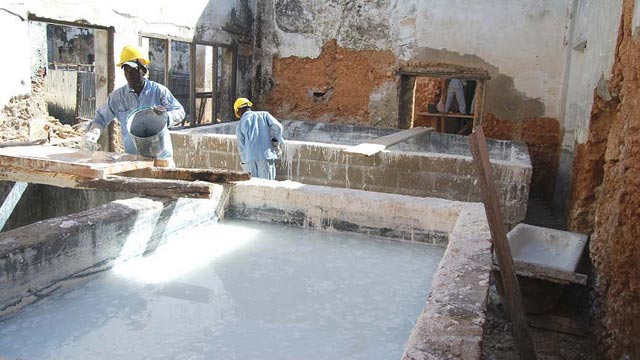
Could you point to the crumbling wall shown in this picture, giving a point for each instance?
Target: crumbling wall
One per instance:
(527, 71)
(615, 242)
(316, 88)
(588, 165)
(589, 62)
(542, 136)
(339, 61)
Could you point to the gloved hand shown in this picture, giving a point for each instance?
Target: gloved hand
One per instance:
(91, 139)
(276, 147)
(160, 110)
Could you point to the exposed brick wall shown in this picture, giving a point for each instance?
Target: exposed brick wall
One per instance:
(615, 242)
(542, 136)
(335, 87)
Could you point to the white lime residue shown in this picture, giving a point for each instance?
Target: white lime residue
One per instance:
(238, 290)
(68, 224)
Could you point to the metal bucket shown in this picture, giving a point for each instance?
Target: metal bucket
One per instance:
(148, 130)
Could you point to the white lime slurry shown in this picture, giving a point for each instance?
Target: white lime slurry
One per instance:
(237, 290)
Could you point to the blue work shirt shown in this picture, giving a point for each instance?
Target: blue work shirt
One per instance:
(123, 100)
(254, 133)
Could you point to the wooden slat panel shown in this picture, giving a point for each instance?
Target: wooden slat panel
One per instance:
(61, 94)
(87, 94)
(71, 161)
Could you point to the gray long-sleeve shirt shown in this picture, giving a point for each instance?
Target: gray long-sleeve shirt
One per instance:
(124, 100)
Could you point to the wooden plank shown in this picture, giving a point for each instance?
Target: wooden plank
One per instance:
(57, 159)
(513, 296)
(446, 73)
(559, 324)
(479, 97)
(546, 273)
(152, 187)
(209, 175)
(448, 115)
(148, 187)
(383, 142)
(22, 143)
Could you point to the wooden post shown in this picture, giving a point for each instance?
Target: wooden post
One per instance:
(512, 295)
(405, 103)
(479, 96)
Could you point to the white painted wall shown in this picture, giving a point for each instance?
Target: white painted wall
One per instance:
(596, 22)
(596, 26)
(128, 18)
(15, 66)
(523, 39)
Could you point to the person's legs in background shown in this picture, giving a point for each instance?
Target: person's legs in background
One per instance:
(456, 90)
(264, 169)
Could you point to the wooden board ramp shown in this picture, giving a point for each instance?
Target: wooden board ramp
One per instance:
(76, 162)
(512, 296)
(382, 143)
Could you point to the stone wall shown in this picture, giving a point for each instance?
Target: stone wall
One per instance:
(444, 170)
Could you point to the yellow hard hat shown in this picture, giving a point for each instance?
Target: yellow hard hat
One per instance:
(133, 53)
(241, 102)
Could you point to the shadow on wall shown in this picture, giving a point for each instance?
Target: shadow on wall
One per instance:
(510, 115)
(502, 99)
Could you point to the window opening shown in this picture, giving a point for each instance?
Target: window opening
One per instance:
(200, 75)
(446, 105)
(71, 55)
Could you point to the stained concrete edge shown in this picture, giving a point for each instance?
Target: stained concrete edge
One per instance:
(405, 217)
(451, 323)
(38, 258)
(42, 257)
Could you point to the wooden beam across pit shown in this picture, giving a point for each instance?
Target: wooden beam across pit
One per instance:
(148, 187)
(186, 174)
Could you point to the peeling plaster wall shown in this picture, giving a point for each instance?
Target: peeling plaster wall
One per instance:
(522, 46)
(337, 61)
(221, 21)
(590, 60)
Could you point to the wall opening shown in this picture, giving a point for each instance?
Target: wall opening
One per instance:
(75, 57)
(449, 100)
(447, 105)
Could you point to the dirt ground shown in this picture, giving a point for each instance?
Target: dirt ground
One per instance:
(574, 304)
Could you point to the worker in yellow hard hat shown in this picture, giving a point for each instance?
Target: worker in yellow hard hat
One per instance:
(259, 140)
(139, 92)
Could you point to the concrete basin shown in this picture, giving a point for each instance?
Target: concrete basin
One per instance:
(546, 247)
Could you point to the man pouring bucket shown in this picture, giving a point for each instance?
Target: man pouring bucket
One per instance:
(144, 109)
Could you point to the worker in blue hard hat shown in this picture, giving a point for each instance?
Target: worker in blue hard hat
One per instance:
(259, 139)
(139, 92)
